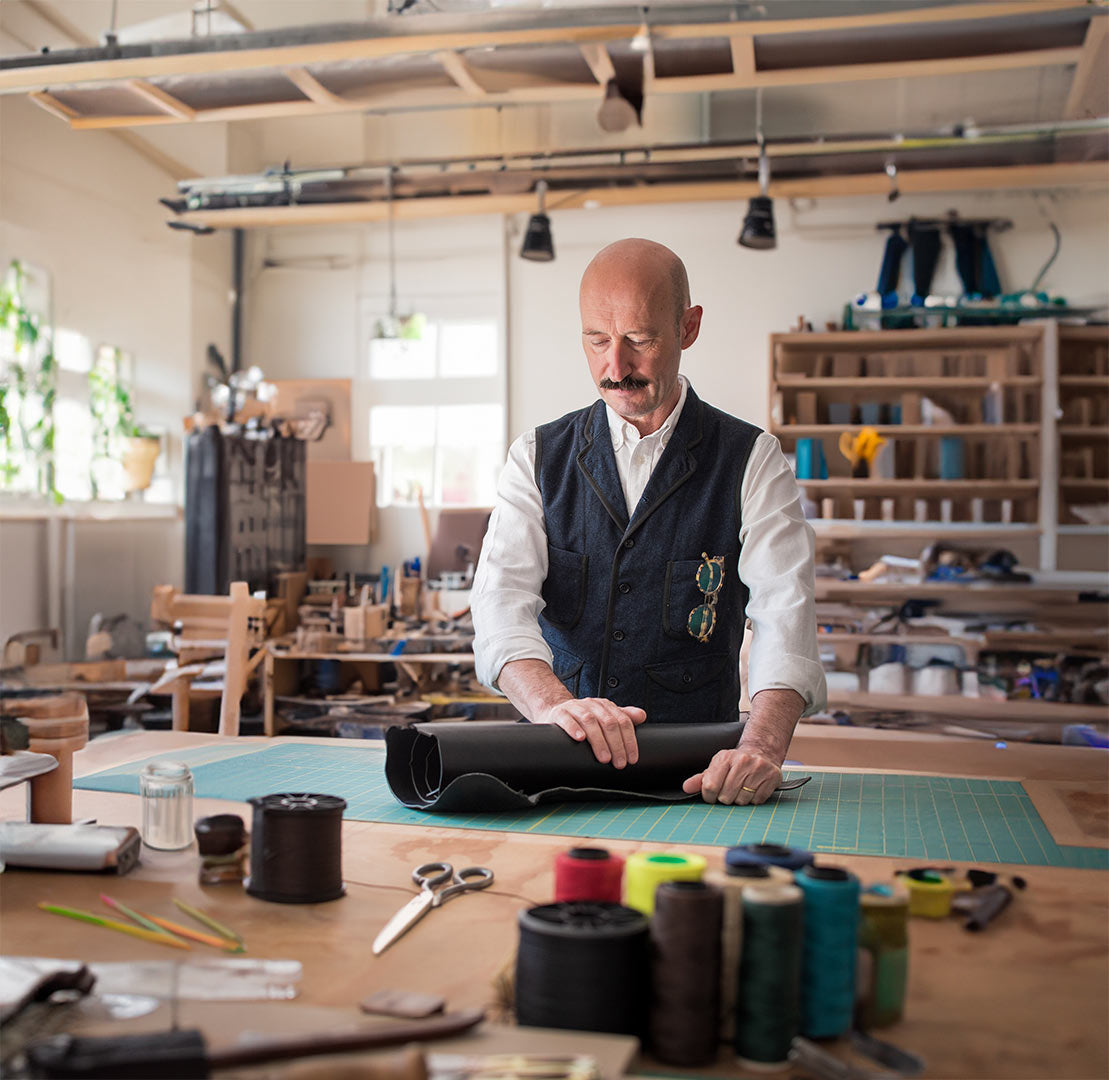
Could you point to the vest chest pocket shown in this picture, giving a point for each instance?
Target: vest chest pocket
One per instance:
(680, 596)
(685, 691)
(564, 590)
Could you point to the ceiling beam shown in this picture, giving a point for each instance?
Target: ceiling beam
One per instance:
(600, 63)
(456, 67)
(913, 182)
(535, 90)
(299, 55)
(312, 88)
(53, 106)
(1089, 92)
(166, 102)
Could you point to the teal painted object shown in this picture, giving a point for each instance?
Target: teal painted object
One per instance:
(829, 957)
(934, 819)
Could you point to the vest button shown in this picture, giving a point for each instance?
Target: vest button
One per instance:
(629, 543)
(624, 587)
(613, 681)
(617, 635)
(686, 677)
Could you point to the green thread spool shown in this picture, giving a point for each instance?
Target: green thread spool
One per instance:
(883, 955)
(768, 1009)
(732, 882)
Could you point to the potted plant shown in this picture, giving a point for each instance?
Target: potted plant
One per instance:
(118, 442)
(141, 450)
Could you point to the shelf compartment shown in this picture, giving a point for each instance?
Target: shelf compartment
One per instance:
(1019, 709)
(790, 431)
(936, 489)
(938, 382)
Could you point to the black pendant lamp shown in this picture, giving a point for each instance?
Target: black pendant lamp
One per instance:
(538, 243)
(758, 230)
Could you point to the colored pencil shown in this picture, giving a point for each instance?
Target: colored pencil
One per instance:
(195, 935)
(208, 921)
(158, 937)
(134, 916)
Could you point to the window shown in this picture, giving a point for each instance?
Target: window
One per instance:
(436, 412)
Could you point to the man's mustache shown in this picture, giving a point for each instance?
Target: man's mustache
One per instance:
(628, 382)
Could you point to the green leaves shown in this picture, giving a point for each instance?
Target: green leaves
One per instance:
(28, 390)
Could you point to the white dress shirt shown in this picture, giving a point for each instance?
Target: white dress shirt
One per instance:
(775, 561)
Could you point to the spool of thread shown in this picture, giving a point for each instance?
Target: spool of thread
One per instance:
(588, 873)
(296, 848)
(767, 855)
(831, 950)
(685, 972)
(929, 893)
(220, 834)
(883, 969)
(731, 883)
(584, 966)
(768, 1012)
(646, 871)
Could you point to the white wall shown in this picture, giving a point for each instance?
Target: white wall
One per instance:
(828, 251)
(85, 207)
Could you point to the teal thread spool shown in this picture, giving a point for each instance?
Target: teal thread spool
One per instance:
(768, 1006)
(831, 943)
(883, 955)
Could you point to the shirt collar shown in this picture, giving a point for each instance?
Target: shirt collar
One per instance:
(624, 432)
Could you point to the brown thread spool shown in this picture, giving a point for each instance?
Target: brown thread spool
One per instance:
(685, 972)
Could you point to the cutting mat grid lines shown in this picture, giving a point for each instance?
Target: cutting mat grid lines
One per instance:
(934, 818)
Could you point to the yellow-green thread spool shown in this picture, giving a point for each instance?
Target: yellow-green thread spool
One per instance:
(929, 893)
(883, 955)
(646, 871)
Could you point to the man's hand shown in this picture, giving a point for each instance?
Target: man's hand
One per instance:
(736, 777)
(609, 728)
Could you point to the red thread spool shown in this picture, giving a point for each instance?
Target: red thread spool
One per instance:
(588, 873)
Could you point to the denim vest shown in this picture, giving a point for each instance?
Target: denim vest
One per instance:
(619, 594)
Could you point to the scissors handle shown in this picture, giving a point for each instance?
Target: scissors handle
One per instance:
(432, 873)
(473, 877)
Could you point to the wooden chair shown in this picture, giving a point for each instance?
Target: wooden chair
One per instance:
(210, 629)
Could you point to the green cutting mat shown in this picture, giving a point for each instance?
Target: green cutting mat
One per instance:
(933, 818)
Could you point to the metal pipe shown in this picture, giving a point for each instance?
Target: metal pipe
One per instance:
(237, 239)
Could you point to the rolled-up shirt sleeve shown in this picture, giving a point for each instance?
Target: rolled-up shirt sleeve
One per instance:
(776, 562)
(506, 599)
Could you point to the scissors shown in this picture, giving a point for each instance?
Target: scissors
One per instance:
(428, 877)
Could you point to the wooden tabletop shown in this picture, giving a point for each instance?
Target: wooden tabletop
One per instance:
(1026, 998)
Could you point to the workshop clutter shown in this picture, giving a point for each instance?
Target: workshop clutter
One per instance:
(767, 953)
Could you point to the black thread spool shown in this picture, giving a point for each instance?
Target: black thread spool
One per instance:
(685, 972)
(296, 848)
(583, 965)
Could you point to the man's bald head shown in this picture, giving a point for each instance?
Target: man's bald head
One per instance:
(652, 268)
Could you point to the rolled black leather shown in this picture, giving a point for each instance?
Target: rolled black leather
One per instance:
(490, 766)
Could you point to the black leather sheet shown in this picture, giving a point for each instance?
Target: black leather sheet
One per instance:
(481, 766)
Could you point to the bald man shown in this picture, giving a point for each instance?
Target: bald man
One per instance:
(631, 541)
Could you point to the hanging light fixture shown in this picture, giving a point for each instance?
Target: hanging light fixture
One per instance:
(538, 243)
(393, 326)
(758, 230)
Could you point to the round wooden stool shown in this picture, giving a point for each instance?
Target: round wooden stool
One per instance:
(59, 726)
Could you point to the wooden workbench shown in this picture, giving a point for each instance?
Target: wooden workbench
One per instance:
(1026, 998)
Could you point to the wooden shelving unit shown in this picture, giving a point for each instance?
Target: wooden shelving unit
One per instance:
(1083, 427)
(961, 409)
(996, 433)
